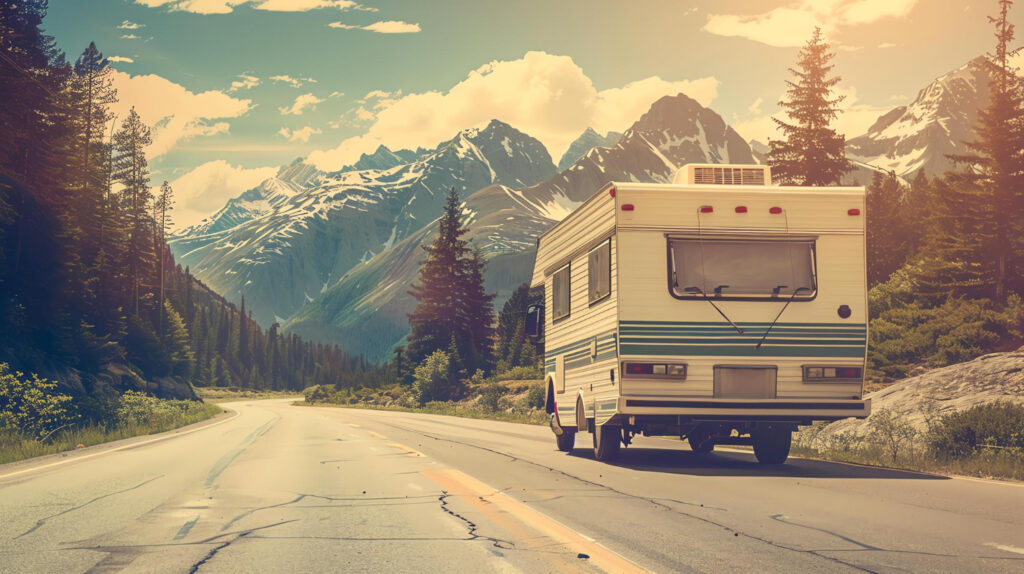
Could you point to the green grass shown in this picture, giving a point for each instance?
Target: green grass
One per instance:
(14, 447)
(989, 462)
(448, 409)
(222, 394)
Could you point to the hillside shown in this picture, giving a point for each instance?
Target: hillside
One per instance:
(365, 310)
(989, 378)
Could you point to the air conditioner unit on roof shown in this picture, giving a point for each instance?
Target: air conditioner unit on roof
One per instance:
(714, 174)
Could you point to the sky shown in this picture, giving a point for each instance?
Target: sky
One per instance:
(234, 89)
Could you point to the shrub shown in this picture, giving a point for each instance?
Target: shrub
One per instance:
(435, 379)
(536, 396)
(317, 393)
(520, 374)
(961, 434)
(956, 330)
(891, 431)
(491, 394)
(140, 409)
(32, 407)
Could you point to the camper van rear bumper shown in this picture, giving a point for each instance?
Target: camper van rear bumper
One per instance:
(747, 409)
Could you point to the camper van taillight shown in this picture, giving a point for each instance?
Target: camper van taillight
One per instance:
(627, 207)
(827, 374)
(707, 209)
(775, 210)
(741, 209)
(611, 192)
(657, 370)
(853, 211)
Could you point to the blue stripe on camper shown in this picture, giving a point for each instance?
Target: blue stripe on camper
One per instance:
(721, 339)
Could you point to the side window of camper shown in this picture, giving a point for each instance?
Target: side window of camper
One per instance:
(599, 271)
(560, 294)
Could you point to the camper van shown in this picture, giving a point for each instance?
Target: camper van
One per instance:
(719, 308)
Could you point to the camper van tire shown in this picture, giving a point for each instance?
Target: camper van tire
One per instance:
(701, 442)
(607, 442)
(772, 443)
(567, 440)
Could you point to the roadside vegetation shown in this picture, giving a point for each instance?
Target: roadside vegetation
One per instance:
(516, 395)
(985, 441)
(37, 419)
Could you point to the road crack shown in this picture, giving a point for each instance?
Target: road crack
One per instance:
(42, 521)
(471, 526)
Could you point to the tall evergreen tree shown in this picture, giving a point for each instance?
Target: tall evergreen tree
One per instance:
(988, 190)
(450, 295)
(131, 170)
(811, 152)
(887, 236)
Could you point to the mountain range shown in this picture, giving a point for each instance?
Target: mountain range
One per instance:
(332, 255)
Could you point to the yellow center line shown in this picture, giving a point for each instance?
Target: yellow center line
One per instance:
(463, 485)
(408, 451)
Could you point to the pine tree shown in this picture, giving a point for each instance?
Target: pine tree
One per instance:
(176, 339)
(811, 152)
(451, 299)
(131, 170)
(434, 320)
(94, 92)
(887, 241)
(989, 188)
(163, 203)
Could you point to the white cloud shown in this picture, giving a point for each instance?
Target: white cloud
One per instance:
(244, 82)
(122, 59)
(129, 37)
(885, 45)
(300, 105)
(382, 27)
(791, 25)
(174, 113)
(755, 108)
(293, 82)
(546, 96)
(228, 6)
(300, 135)
(204, 190)
(129, 25)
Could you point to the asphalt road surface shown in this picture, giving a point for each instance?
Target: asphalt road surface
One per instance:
(273, 487)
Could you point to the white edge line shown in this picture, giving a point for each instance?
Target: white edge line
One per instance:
(168, 435)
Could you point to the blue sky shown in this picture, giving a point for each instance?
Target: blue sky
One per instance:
(224, 81)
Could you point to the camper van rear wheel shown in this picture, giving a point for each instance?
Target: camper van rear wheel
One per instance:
(607, 442)
(700, 442)
(772, 443)
(567, 440)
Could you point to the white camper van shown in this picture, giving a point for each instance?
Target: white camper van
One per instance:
(718, 308)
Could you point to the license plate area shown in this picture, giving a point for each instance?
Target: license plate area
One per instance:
(743, 382)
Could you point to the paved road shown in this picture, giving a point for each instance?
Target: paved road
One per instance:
(279, 488)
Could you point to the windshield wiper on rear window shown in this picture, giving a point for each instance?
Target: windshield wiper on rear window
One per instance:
(708, 299)
(783, 310)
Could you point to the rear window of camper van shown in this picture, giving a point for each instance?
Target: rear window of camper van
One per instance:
(743, 268)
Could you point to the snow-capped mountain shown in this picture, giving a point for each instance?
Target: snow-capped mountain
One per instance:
(587, 141)
(384, 158)
(256, 202)
(365, 311)
(292, 243)
(937, 123)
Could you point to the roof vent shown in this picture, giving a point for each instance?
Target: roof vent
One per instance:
(710, 174)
